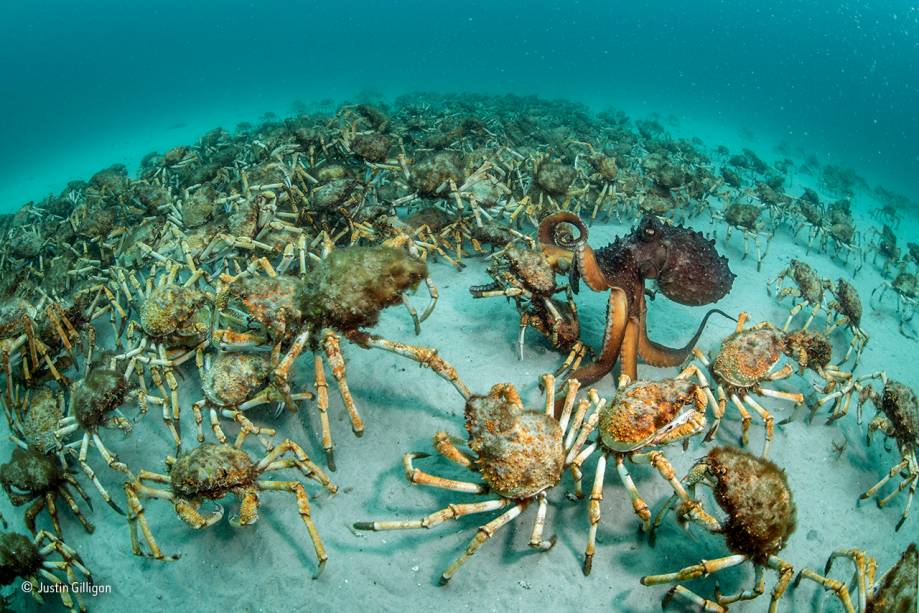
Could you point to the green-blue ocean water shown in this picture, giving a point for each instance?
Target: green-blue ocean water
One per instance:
(84, 85)
(87, 85)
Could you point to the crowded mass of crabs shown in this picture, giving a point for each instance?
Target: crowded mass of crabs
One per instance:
(230, 281)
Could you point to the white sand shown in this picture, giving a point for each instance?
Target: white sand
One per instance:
(268, 566)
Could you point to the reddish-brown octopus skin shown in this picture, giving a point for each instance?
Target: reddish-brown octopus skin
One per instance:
(520, 453)
(687, 267)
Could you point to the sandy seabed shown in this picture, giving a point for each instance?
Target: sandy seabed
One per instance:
(269, 566)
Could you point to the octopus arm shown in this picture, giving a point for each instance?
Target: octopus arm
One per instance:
(617, 319)
(659, 355)
(585, 260)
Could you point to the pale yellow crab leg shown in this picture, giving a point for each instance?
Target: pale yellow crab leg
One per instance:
(332, 349)
(419, 477)
(303, 507)
(838, 587)
(536, 540)
(575, 468)
(593, 514)
(448, 449)
(425, 356)
(453, 511)
(322, 403)
(484, 534)
(570, 397)
(702, 569)
(705, 605)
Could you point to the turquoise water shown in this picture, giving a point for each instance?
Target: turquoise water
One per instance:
(88, 84)
(812, 91)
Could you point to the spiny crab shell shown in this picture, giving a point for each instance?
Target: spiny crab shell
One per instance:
(849, 302)
(532, 269)
(175, 310)
(520, 453)
(19, 557)
(234, 376)
(94, 397)
(745, 357)
(352, 285)
(271, 301)
(210, 471)
(11, 313)
(754, 493)
(809, 348)
(30, 471)
(644, 412)
(899, 587)
(901, 407)
(41, 420)
(807, 280)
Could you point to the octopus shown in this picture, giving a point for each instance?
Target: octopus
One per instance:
(685, 265)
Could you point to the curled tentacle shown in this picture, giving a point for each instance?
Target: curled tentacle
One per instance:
(659, 355)
(586, 264)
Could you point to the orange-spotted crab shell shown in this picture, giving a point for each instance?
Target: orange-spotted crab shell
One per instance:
(745, 357)
(520, 453)
(644, 412)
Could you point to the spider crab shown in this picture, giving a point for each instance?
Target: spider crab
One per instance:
(754, 494)
(528, 277)
(747, 360)
(643, 416)
(519, 454)
(212, 472)
(343, 294)
(685, 265)
(897, 590)
(30, 559)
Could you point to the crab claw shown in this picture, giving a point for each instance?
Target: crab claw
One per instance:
(214, 517)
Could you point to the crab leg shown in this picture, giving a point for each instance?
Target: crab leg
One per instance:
(766, 417)
(576, 468)
(482, 536)
(702, 569)
(419, 477)
(704, 604)
(423, 355)
(593, 513)
(447, 448)
(332, 349)
(91, 475)
(136, 516)
(452, 511)
(322, 402)
(536, 540)
(303, 507)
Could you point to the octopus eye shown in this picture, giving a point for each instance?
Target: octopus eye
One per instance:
(648, 228)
